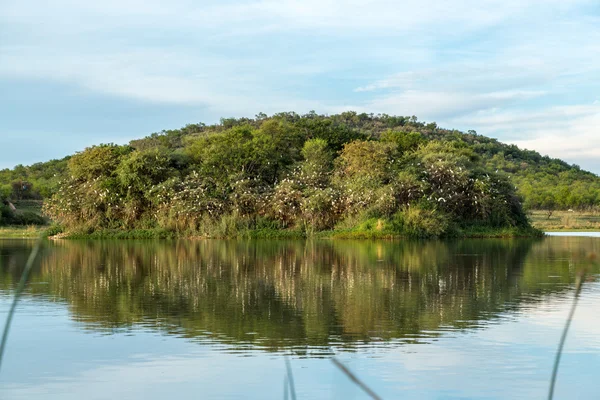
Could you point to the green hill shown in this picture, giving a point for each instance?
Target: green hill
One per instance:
(542, 182)
(374, 174)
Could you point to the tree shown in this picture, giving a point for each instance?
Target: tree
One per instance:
(97, 161)
(22, 190)
(318, 161)
(366, 161)
(405, 141)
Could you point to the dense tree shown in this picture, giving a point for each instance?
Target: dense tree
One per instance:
(4, 211)
(318, 160)
(304, 172)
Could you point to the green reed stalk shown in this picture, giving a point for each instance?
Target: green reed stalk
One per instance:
(290, 379)
(578, 285)
(18, 292)
(355, 379)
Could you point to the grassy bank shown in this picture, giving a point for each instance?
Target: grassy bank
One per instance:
(365, 231)
(166, 234)
(565, 220)
(7, 232)
(459, 233)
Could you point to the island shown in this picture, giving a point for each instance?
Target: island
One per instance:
(348, 175)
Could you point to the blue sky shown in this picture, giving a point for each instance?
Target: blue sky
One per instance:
(75, 73)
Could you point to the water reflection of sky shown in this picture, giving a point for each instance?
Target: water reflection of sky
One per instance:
(574, 234)
(49, 356)
(60, 351)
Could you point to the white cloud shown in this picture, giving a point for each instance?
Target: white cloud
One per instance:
(225, 86)
(568, 132)
(87, 50)
(577, 137)
(487, 65)
(440, 105)
(535, 88)
(470, 75)
(326, 14)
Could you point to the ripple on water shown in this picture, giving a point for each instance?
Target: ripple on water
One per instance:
(463, 319)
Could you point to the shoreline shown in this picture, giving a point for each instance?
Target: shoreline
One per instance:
(33, 232)
(140, 234)
(22, 232)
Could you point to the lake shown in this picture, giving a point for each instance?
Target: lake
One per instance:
(217, 319)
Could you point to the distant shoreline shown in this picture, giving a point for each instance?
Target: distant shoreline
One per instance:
(137, 234)
(32, 232)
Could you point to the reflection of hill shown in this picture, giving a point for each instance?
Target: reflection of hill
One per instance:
(281, 293)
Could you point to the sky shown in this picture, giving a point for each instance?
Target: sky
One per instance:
(76, 73)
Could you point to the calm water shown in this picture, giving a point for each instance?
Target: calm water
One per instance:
(216, 319)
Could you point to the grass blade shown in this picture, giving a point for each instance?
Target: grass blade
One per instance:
(355, 379)
(578, 284)
(19, 291)
(290, 378)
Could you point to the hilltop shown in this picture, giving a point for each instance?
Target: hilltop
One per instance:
(363, 174)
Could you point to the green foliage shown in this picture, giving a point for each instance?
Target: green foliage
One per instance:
(303, 173)
(97, 161)
(23, 190)
(121, 234)
(318, 160)
(405, 141)
(543, 182)
(5, 192)
(335, 131)
(243, 150)
(20, 217)
(53, 230)
(366, 161)
(274, 170)
(318, 209)
(137, 174)
(141, 170)
(423, 223)
(26, 218)
(44, 178)
(4, 211)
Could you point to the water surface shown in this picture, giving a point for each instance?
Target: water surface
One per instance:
(574, 234)
(215, 319)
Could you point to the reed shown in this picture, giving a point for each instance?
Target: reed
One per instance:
(563, 338)
(289, 380)
(355, 379)
(18, 292)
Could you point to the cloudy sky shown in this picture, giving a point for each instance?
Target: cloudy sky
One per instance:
(75, 73)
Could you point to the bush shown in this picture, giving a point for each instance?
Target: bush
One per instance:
(285, 202)
(319, 209)
(53, 230)
(26, 218)
(422, 223)
(287, 172)
(318, 161)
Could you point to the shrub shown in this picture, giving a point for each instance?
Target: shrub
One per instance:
(419, 222)
(285, 203)
(366, 161)
(305, 173)
(319, 209)
(53, 230)
(26, 218)
(405, 141)
(318, 162)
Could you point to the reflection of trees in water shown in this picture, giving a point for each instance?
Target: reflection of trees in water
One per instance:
(291, 292)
